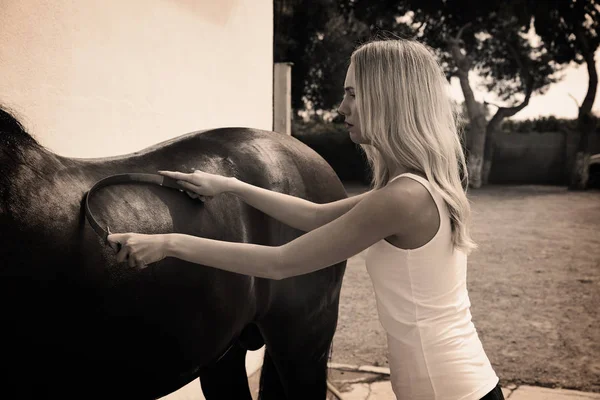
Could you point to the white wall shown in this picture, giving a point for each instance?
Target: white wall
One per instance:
(93, 78)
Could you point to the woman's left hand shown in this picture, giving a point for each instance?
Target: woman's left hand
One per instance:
(139, 249)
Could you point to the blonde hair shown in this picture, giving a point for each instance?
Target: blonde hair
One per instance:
(407, 115)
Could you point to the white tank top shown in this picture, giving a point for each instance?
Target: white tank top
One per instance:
(434, 351)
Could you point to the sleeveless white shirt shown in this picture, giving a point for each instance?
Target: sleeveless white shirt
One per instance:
(434, 351)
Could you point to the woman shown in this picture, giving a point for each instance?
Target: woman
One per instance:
(414, 224)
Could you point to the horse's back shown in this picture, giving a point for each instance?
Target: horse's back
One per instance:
(269, 159)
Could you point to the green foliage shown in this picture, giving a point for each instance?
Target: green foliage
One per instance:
(570, 30)
(332, 142)
(319, 42)
(296, 27)
(567, 28)
(544, 124)
(491, 33)
(330, 53)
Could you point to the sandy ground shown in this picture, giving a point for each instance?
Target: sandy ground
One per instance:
(534, 285)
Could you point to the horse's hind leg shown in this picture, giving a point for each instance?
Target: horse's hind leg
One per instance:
(296, 358)
(227, 378)
(270, 386)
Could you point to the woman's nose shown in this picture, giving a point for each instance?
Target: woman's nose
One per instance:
(342, 109)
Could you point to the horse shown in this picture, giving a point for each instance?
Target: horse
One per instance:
(77, 323)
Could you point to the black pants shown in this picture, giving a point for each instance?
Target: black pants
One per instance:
(494, 394)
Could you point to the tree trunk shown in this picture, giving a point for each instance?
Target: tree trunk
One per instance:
(475, 163)
(474, 110)
(493, 127)
(581, 166)
(491, 132)
(504, 112)
(585, 121)
(476, 142)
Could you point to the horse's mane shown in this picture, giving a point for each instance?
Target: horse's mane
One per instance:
(14, 140)
(12, 132)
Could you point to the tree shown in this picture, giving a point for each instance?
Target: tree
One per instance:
(531, 66)
(330, 58)
(487, 37)
(295, 28)
(319, 42)
(570, 32)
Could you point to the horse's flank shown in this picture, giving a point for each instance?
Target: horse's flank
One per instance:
(63, 296)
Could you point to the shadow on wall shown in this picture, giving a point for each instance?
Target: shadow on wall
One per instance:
(215, 12)
(536, 157)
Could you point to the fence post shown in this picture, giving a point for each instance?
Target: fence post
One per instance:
(282, 98)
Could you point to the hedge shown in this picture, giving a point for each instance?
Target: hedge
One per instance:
(332, 142)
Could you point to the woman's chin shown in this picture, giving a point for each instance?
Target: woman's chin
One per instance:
(356, 138)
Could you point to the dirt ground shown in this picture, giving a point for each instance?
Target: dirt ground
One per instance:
(534, 285)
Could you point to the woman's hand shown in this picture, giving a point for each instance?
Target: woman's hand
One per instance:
(200, 184)
(139, 250)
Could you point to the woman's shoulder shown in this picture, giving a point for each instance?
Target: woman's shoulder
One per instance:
(415, 200)
(411, 188)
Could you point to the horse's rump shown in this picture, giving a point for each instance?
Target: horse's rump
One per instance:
(157, 326)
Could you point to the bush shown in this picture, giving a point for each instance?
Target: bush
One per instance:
(332, 142)
(544, 124)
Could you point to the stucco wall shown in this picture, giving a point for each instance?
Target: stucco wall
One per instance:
(102, 78)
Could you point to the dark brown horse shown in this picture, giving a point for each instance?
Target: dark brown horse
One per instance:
(76, 323)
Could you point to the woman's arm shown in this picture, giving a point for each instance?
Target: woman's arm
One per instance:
(293, 211)
(327, 212)
(380, 215)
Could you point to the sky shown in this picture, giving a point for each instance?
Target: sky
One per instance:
(556, 101)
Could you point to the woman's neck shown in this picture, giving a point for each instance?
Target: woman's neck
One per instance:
(396, 169)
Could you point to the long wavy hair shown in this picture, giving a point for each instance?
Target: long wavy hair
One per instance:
(407, 115)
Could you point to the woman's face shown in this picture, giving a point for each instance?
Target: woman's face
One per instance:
(348, 108)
